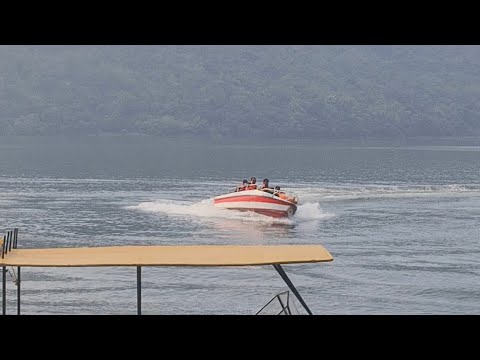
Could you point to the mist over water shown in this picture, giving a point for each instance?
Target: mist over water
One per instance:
(402, 224)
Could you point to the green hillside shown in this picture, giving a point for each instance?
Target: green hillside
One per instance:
(241, 91)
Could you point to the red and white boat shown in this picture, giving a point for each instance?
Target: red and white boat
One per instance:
(277, 204)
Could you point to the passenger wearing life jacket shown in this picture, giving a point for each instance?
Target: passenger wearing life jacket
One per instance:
(265, 186)
(253, 184)
(282, 195)
(276, 191)
(243, 186)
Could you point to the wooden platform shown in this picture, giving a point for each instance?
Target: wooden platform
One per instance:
(138, 256)
(201, 255)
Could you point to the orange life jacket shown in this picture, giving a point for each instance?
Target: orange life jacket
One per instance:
(251, 186)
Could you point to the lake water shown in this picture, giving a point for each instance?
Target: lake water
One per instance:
(402, 222)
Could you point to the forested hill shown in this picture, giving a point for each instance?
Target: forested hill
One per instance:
(241, 91)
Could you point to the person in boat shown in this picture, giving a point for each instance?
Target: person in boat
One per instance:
(282, 195)
(253, 184)
(243, 186)
(265, 186)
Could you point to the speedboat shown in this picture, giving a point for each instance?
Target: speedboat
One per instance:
(266, 202)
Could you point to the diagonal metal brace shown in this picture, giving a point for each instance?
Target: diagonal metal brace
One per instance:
(291, 286)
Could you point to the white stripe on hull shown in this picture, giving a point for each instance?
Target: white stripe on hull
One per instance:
(245, 193)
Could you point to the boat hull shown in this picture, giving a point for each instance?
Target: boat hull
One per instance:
(260, 202)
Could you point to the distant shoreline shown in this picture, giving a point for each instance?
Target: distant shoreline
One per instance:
(393, 142)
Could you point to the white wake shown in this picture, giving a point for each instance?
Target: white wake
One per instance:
(205, 209)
